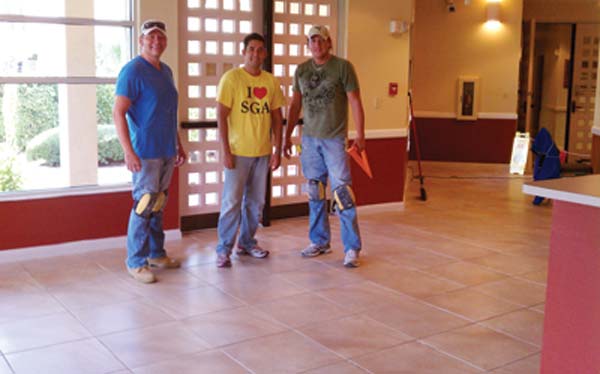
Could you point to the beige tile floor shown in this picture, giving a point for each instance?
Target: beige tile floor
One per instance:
(455, 284)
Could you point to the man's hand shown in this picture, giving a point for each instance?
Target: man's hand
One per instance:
(181, 157)
(275, 160)
(133, 163)
(228, 160)
(287, 148)
(359, 142)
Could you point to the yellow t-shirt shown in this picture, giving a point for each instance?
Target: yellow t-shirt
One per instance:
(251, 100)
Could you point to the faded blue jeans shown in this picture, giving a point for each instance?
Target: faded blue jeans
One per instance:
(145, 236)
(322, 158)
(242, 202)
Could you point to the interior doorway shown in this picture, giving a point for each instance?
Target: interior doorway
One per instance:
(558, 77)
(551, 80)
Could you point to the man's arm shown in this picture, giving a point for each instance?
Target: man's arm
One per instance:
(181, 155)
(292, 119)
(132, 161)
(222, 115)
(276, 125)
(358, 114)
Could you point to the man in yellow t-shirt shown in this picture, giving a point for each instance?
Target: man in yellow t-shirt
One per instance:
(249, 102)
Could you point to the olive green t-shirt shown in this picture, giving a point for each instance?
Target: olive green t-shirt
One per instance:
(324, 100)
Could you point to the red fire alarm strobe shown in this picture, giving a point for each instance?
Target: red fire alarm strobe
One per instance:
(393, 89)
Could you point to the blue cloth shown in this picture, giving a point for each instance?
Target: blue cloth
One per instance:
(323, 158)
(242, 202)
(546, 164)
(145, 236)
(152, 116)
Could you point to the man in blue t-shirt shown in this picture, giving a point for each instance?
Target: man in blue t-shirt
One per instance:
(145, 115)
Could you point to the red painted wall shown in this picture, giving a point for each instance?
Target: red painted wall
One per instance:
(37, 222)
(446, 139)
(387, 158)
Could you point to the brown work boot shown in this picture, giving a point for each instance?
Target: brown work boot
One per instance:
(142, 274)
(165, 262)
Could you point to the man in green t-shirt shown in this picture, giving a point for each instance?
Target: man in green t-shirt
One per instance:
(249, 102)
(323, 86)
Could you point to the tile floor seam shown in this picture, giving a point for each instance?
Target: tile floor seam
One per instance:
(170, 358)
(519, 306)
(114, 356)
(187, 355)
(12, 370)
(416, 338)
(451, 239)
(501, 298)
(34, 317)
(131, 329)
(304, 290)
(504, 332)
(520, 277)
(175, 317)
(448, 354)
(514, 362)
(532, 308)
(296, 331)
(348, 361)
(352, 362)
(412, 338)
(223, 346)
(489, 268)
(237, 361)
(320, 345)
(7, 354)
(290, 327)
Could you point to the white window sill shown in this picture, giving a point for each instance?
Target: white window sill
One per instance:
(63, 192)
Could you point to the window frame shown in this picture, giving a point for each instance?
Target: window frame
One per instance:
(70, 80)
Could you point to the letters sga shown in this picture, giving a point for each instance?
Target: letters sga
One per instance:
(255, 107)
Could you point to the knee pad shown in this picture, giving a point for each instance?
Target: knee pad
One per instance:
(160, 202)
(316, 190)
(343, 197)
(150, 203)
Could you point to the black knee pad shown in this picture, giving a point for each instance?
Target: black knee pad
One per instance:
(315, 190)
(343, 197)
(150, 203)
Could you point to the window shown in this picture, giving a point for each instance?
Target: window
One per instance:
(57, 75)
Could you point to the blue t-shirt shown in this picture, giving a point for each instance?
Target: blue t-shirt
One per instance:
(152, 116)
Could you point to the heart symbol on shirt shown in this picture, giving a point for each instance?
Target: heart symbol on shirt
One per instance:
(260, 92)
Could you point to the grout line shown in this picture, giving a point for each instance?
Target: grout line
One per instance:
(5, 359)
(515, 361)
(448, 354)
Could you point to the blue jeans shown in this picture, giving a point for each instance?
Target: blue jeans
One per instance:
(145, 236)
(242, 202)
(322, 158)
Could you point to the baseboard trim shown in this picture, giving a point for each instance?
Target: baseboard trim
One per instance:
(382, 134)
(67, 248)
(199, 222)
(481, 115)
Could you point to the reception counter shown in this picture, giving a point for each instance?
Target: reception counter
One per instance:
(571, 343)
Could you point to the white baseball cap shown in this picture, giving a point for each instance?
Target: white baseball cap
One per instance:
(153, 24)
(318, 30)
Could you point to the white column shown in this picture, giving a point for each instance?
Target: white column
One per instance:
(77, 103)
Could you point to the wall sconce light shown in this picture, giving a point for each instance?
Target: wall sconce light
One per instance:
(398, 27)
(492, 9)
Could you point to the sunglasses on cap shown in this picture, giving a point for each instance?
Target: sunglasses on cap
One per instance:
(153, 25)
